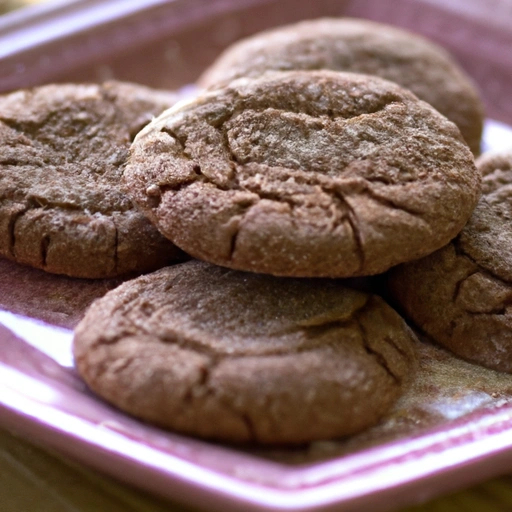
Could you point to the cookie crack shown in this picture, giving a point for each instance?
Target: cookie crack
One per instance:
(182, 185)
(181, 140)
(219, 123)
(45, 244)
(498, 310)
(380, 107)
(33, 203)
(477, 269)
(458, 284)
(201, 387)
(25, 128)
(206, 390)
(317, 331)
(352, 219)
(248, 422)
(225, 138)
(30, 128)
(11, 230)
(116, 247)
(119, 365)
(234, 241)
(315, 327)
(328, 115)
(174, 337)
(134, 130)
(390, 341)
(189, 343)
(346, 212)
(379, 358)
(12, 239)
(460, 252)
(385, 201)
(343, 207)
(11, 161)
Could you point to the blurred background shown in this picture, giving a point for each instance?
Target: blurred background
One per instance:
(11, 5)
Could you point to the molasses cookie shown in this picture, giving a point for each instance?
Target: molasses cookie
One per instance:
(360, 46)
(461, 294)
(304, 174)
(242, 357)
(61, 207)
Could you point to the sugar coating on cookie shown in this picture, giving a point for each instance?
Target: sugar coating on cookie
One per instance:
(241, 357)
(461, 294)
(317, 174)
(361, 46)
(61, 206)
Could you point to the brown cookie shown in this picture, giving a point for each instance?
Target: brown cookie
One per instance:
(461, 294)
(305, 173)
(61, 207)
(243, 357)
(360, 46)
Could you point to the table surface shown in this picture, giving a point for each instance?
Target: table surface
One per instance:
(33, 479)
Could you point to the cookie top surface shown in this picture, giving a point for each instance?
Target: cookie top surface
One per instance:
(239, 357)
(460, 295)
(361, 46)
(318, 174)
(61, 206)
(487, 238)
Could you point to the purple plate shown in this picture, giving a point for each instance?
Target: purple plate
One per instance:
(453, 428)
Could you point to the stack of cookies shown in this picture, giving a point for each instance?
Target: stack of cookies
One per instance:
(313, 154)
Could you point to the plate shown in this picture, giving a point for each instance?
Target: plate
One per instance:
(453, 427)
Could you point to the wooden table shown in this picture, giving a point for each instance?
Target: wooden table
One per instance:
(32, 479)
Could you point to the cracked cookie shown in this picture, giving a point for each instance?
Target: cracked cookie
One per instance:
(304, 174)
(360, 46)
(461, 294)
(242, 357)
(61, 206)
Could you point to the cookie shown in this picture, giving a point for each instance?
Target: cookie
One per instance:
(242, 357)
(360, 46)
(461, 294)
(304, 174)
(61, 206)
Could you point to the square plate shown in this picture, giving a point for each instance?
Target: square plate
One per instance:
(452, 428)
